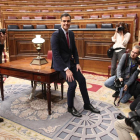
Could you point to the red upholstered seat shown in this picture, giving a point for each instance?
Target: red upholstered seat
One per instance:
(45, 10)
(78, 10)
(105, 16)
(9, 9)
(56, 11)
(26, 17)
(67, 10)
(12, 17)
(132, 6)
(121, 7)
(90, 10)
(94, 16)
(111, 8)
(118, 15)
(78, 17)
(50, 17)
(38, 17)
(37, 10)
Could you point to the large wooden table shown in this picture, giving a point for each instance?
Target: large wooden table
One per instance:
(22, 69)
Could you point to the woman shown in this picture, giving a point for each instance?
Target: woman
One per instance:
(121, 39)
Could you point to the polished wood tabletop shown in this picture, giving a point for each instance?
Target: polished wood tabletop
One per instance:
(23, 69)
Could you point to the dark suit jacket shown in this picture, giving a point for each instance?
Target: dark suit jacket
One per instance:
(61, 51)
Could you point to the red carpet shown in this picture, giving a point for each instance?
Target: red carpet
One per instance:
(94, 87)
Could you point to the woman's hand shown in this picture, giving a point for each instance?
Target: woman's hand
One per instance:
(116, 29)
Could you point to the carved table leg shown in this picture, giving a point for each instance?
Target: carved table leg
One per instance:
(49, 98)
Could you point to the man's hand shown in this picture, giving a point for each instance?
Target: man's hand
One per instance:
(2, 37)
(69, 75)
(78, 67)
(121, 79)
(125, 87)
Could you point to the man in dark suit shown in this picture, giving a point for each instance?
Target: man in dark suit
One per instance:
(66, 60)
(2, 39)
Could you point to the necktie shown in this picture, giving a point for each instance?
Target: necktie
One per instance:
(67, 36)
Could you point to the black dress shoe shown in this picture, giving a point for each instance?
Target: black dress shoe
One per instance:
(74, 112)
(116, 94)
(1, 120)
(120, 116)
(91, 108)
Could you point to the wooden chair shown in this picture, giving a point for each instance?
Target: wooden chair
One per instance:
(61, 80)
(109, 67)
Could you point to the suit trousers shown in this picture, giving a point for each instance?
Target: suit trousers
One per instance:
(78, 76)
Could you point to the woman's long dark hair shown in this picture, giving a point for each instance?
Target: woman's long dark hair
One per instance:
(124, 25)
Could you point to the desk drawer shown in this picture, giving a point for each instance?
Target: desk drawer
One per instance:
(18, 74)
(40, 78)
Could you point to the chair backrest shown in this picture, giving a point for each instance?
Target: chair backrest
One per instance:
(91, 26)
(45, 10)
(25, 17)
(49, 55)
(118, 15)
(57, 26)
(41, 27)
(121, 7)
(67, 10)
(9, 9)
(90, 10)
(106, 25)
(38, 10)
(28, 27)
(105, 16)
(78, 17)
(13, 27)
(38, 17)
(12, 17)
(74, 26)
(94, 16)
(50, 17)
(132, 6)
(111, 8)
(99, 9)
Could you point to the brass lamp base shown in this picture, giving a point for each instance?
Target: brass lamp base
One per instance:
(39, 61)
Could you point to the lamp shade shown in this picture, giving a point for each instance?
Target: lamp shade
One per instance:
(38, 40)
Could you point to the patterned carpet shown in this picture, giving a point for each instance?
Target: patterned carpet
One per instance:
(29, 120)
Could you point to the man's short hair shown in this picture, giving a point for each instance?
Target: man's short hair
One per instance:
(65, 15)
(137, 47)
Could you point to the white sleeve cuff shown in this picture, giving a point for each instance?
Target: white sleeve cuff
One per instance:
(66, 68)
